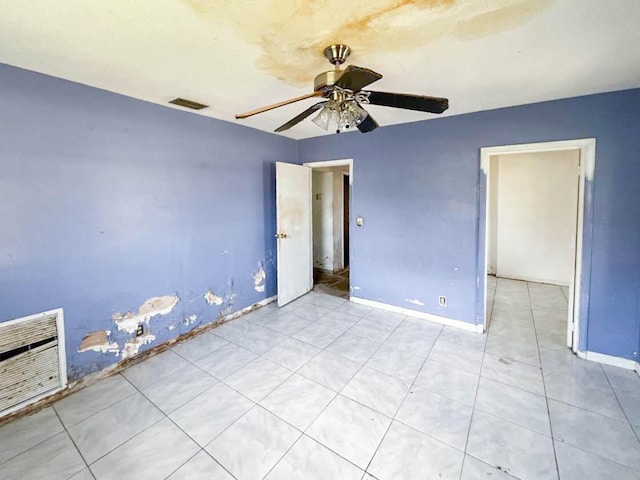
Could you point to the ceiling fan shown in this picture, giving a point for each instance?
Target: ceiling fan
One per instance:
(343, 97)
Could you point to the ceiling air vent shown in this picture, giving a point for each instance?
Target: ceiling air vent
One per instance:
(183, 102)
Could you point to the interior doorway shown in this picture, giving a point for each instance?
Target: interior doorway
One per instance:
(295, 227)
(330, 218)
(534, 234)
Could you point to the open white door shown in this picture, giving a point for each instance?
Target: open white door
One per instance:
(293, 216)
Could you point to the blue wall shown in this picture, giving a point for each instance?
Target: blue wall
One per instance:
(106, 201)
(421, 193)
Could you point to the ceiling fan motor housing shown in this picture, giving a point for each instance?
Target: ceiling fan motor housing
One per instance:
(326, 80)
(336, 54)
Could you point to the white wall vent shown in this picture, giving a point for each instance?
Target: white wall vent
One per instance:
(32, 359)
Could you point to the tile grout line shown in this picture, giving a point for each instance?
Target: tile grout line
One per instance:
(174, 423)
(303, 432)
(375, 452)
(74, 445)
(544, 387)
(40, 442)
(615, 393)
(257, 404)
(475, 398)
(338, 393)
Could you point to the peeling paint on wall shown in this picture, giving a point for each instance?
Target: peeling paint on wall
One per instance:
(154, 306)
(212, 298)
(415, 301)
(259, 279)
(99, 342)
(229, 300)
(190, 320)
(132, 346)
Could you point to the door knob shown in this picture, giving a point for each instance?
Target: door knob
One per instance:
(281, 235)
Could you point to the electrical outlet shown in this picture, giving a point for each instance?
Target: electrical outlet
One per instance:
(442, 301)
(139, 331)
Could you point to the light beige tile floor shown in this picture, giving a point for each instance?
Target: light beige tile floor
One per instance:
(326, 389)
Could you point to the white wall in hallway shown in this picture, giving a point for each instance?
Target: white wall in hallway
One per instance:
(532, 230)
(338, 216)
(322, 210)
(328, 213)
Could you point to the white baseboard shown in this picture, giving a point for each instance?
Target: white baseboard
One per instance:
(470, 327)
(610, 360)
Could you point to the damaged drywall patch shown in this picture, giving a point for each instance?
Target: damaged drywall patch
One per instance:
(415, 301)
(154, 306)
(132, 346)
(99, 341)
(212, 298)
(259, 279)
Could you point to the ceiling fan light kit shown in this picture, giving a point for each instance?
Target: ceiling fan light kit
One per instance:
(344, 97)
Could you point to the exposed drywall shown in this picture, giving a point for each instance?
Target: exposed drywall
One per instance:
(421, 191)
(536, 216)
(130, 321)
(111, 205)
(259, 280)
(99, 341)
(212, 298)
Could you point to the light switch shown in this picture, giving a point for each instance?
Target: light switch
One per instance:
(359, 221)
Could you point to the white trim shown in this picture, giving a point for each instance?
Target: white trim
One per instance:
(587, 147)
(62, 350)
(610, 360)
(62, 358)
(333, 163)
(328, 164)
(470, 327)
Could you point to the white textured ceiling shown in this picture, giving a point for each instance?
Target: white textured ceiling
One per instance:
(236, 55)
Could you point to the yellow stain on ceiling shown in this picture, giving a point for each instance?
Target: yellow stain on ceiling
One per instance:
(291, 34)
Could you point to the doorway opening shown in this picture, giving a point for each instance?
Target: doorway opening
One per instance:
(330, 220)
(533, 240)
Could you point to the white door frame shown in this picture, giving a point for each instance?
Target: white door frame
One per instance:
(344, 162)
(587, 148)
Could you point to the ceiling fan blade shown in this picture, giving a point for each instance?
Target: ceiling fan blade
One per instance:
(277, 105)
(297, 119)
(354, 78)
(368, 124)
(421, 103)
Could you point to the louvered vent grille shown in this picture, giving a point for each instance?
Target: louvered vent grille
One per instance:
(31, 359)
(183, 102)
